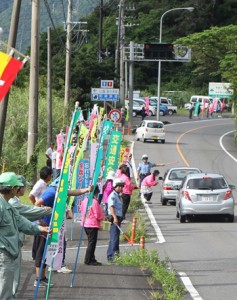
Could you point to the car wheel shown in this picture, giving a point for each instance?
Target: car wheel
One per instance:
(163, 201)
(177, 214)
(162, 113)
(231, 218)
(170, 112)
(137, 138)
(156, 141)
(134, 114)
(163, 141)
(143, 139)
(182, 219)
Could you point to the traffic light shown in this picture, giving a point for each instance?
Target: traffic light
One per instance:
(158, 51)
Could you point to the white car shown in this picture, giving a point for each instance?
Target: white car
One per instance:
(150, 130)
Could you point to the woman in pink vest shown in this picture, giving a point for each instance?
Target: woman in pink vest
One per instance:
(147, 183)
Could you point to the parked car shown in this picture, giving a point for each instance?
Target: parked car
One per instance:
(163, 108)
(172, 181)
(151, 130)
(166, 102)
(205, 194)
(137, 109)
(202, 99)
(141, 102)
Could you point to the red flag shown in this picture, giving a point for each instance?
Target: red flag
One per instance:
(8, 71)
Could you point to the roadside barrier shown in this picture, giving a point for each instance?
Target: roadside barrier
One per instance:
(142, 242)
(134, 224)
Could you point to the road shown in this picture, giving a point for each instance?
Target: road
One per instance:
(205, 250)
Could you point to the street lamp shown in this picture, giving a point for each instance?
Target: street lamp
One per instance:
(159, 62)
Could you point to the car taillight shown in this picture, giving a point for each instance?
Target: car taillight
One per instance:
(186, 195)
(228, 194)
(167, 187)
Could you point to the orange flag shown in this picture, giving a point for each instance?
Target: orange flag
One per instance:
(9, 67)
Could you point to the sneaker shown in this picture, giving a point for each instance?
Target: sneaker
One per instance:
(64, 270)
(45, 282)
(41, 285)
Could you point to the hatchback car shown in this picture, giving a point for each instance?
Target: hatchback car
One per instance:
(172, 181)
(151, 130)
(205, 194)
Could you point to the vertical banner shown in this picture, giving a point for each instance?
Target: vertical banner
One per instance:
(113, 152)
(62, 191)
(105, 130)
(93, 154)
(83, 180)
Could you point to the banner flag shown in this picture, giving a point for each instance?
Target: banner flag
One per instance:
(62, 191)
(93, 155)
(113, 152)
(83, 180)
(93, 131)
(82, 140)
(9, 68)
(105, 130)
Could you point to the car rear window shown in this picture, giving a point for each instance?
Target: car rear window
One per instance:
(154, 125)
(181, 174)
(207, 184)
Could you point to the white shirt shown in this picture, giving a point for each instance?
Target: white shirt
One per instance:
(54, 155)
(49, 152)
(38, 189)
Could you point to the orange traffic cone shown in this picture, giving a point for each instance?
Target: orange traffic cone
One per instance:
(142, 242)
(134, 223)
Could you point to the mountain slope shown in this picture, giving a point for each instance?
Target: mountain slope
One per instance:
(57, 11)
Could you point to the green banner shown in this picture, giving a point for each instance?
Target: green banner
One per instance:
(113, 152)
(105, 130)
(62, 191)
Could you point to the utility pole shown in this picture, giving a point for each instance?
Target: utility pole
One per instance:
(11, 44)
(49, 89)
(68, 56)
(34, 84)
(117, 55)
(101, 31)
(121, 43)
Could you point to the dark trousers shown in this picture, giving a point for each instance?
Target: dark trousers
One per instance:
(92, 234)
(38, 250)
(113, 248)
(126, 201)
(148, 196)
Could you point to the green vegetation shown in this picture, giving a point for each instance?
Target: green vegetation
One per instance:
(161, 271)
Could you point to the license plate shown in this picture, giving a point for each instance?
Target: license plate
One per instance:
(207, 198)
(154, 137)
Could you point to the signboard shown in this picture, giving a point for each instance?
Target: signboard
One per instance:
(115, 115)
(101, 94)
(220, 90)
(109, 84)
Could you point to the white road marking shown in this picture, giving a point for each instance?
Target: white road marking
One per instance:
(188, 285)
(223, 148)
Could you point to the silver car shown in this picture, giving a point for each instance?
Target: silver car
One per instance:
(205, 194)
(172, 180)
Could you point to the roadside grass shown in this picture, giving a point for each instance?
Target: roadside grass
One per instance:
(160, 271)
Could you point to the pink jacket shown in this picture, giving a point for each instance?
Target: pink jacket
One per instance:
(108, 190)
(128, 187)
(94, 214)
(149, 181)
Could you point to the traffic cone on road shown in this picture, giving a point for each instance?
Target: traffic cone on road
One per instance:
(142, 242)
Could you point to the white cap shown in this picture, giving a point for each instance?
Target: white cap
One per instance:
(118, 182)
(144, 156)
(110, 175)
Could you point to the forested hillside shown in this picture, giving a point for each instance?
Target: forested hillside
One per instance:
(55, 9)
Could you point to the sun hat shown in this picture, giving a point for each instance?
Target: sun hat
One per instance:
(9, 179)
(23, 180)
(55, 183)
(118, 182)
(110, 175)
(144, 156)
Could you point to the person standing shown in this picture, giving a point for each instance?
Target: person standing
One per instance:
(11, 224)
(41, 184)
(129, 164)
(143, 112)
(144, 168)
(127, 189)
(30, 212)
(191, 107)
(115, 208)
(48, 155)
(91, 222)
(47, 199)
